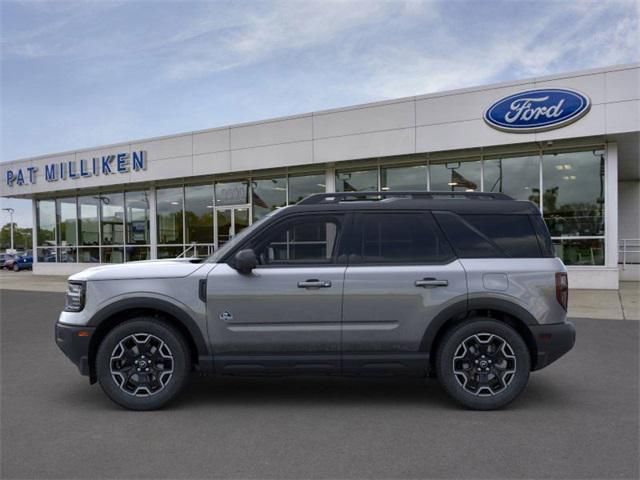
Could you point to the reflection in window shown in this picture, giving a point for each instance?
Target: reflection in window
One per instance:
(580, 251)
(88, 220)
(169, 252)
(301, 186)
(137, 217)
(404, 178)
(573, 198)
(357, 181)
(267, 195)
(46, 218)
(305, 241)
(198, 213)
(112, 254)
(517, 177)
(169, 207)
(89, 255)
(112, 218)
(134, 254)
(67, 213)
(455, 176)
(232, 193)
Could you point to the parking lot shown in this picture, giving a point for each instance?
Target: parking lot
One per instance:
(577, 419)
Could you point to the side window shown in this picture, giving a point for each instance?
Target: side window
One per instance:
(400, 238)
(303, 240)
(514, 234)
(467, 241)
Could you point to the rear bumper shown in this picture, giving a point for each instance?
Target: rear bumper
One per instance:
(74, 343)
(552, 342)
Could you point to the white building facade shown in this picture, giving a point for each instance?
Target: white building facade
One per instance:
(570, 143)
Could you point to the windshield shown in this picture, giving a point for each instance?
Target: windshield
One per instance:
(231, 244)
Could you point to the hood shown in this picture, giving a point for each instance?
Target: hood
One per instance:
(173, 268)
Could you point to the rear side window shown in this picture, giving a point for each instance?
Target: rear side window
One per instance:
(483, 236)
(514, 234)
(398, 237)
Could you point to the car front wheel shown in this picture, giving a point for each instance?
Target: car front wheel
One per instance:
(143, 364)
(484, 364)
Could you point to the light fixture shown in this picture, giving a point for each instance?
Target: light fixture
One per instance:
(321, 185)
(452, 184)
(567, 166)
(175, 203)
(384, 189)
(469, 190)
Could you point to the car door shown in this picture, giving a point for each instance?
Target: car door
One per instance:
(286, 314)
(401, 274)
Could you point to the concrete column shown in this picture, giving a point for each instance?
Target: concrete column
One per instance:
(611, 205)
(153, 223)
(330, 179)
(34, 232)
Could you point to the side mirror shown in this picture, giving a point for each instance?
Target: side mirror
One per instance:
(245, 261)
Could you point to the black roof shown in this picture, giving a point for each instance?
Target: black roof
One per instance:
(458, 202)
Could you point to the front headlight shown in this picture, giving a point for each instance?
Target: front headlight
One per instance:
(74, 298)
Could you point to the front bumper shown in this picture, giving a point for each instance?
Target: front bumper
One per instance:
(552, 342)
(74, 343)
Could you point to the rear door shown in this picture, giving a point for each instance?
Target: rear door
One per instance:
(401, 274)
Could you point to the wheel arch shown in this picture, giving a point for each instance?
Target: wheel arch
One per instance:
(121, 311)
(502, 310)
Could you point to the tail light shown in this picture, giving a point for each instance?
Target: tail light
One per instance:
(562, 289)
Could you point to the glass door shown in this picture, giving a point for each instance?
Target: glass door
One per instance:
(229, 222)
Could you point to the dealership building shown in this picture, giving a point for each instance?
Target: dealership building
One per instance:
(569, 143)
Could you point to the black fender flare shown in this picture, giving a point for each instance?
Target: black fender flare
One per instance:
(163, 306)
(462, 308)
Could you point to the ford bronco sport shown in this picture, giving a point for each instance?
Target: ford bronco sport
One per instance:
(461, 286)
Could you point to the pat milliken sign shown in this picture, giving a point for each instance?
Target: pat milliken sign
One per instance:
(537, 110)
(117, 163)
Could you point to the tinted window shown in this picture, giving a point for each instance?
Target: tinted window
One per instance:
(401, 238)
(514, 234)
(467, 241)
(302, 241)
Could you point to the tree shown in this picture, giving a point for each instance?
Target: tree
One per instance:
(21, 237)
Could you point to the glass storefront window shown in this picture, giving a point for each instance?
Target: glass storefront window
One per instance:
(518, 177)
(89, 255)
(455, 176)
(169, 252)
(169, 207)
(67, 255)
(580, 251)
(232, 193)
(198, 213)
(47, 255)
(88, 220)
(134, 254)
(573, 198)
(112, 218)
(301, 186)
(67, 222)
(268, 194)
(46, 218)
(357, 181)
(137, 218)
(412, 177)
(112, 255)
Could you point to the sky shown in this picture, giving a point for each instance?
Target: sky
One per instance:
(86, 73)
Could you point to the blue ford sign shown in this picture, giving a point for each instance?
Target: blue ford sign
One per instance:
(537, 110)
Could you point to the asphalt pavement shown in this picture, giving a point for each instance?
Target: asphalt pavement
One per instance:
(577, 418)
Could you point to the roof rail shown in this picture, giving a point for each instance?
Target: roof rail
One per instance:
(337, 197)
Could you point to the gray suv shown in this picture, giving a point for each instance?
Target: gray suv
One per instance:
(461, 286)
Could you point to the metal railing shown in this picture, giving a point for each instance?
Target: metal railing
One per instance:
(196, 250)
(629, 251)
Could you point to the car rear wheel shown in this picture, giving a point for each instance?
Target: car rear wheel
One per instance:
(143, 364)
(484, 364)
(16, 268)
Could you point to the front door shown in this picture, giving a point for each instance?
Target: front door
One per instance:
(401, 274)
(286, 314)
(229, 222)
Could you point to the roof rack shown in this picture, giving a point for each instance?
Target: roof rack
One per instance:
(337, 197)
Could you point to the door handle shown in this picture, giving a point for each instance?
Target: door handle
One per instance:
(313, 283)
(431, 282)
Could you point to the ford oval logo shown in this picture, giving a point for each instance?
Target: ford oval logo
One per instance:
(537, 110)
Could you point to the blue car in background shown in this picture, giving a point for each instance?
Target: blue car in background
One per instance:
(23, 262)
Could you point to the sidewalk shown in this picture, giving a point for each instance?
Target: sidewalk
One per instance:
(623, 304)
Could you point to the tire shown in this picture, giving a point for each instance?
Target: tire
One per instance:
(143, 363)
(16, 268)
(483, 364)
